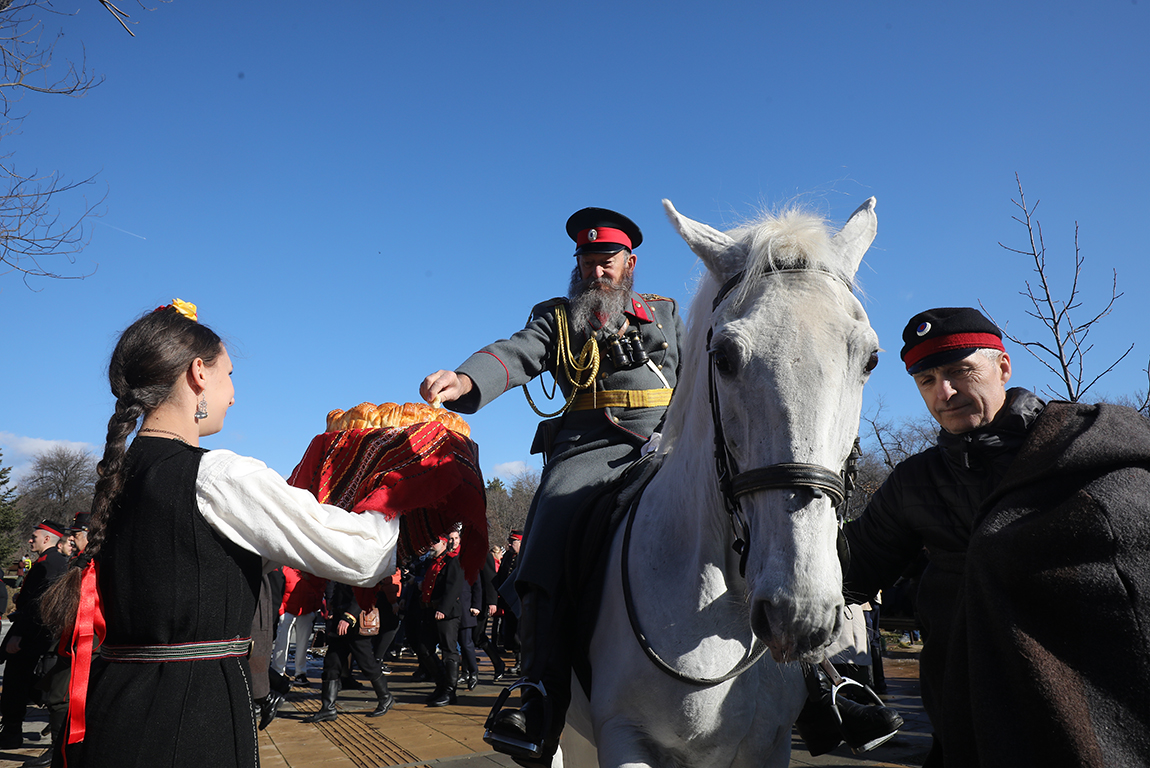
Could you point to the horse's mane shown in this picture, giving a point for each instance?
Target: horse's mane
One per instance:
(791, 239)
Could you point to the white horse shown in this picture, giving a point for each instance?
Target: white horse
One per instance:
(784, 350)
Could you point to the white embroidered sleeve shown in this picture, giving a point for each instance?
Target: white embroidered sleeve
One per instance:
(251, 505)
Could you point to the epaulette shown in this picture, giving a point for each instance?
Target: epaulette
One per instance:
(543, 306)
(654, 297)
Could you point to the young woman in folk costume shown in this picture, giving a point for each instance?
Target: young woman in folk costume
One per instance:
(178, 539)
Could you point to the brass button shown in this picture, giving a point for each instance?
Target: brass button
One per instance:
(659, 326)
(665, 345)
(660, 367)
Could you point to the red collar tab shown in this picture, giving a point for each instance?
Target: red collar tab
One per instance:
(639, 310)
(603, 235)
(953, 341)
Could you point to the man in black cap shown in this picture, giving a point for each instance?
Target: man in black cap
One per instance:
(1034, 517)
(78, 533)
(28, 639)
(615, 356)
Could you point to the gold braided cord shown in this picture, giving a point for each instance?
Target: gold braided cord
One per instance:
(581, 373)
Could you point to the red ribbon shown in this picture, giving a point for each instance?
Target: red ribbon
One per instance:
(89, 629)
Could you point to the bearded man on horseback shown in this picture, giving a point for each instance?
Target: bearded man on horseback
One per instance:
(615, 357)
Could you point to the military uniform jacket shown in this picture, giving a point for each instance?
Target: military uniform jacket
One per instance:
(513, 362)
(26, 619)
(585, 449)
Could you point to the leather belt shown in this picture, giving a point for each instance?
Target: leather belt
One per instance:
(622, 398)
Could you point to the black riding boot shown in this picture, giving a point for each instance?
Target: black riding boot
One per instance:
(447, 694)
(330, 689)
(827, 719)
(440, 677)
(530, 734)
(385, 699)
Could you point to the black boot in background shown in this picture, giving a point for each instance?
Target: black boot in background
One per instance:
(383, 696)
(327, 703)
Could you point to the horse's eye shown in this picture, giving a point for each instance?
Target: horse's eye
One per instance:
(723, 362)
(872, 363)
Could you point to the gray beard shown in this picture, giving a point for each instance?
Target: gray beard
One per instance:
(599, 298)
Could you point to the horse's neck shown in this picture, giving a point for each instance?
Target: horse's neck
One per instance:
(684, 575)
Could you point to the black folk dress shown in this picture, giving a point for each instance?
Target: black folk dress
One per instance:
(166, 577)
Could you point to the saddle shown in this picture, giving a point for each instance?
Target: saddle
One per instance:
(588, 550)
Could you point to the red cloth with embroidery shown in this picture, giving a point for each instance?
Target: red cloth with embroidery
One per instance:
(425, 472)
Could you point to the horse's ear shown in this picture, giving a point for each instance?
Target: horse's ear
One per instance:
(723, 256)
(857, 234)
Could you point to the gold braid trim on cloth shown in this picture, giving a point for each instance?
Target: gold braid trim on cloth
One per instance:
(587, 364)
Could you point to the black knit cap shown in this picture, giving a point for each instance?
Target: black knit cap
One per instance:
(940, 336)
(598, 230)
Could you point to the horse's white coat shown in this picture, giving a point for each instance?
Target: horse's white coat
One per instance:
(798, 344)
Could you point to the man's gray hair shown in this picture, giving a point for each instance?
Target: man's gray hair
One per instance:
(993, 355)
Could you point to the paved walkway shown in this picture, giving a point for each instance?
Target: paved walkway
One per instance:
(412, 734)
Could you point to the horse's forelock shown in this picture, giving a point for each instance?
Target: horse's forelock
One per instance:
(791, 239)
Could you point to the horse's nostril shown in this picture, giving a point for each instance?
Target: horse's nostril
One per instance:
(760, 621)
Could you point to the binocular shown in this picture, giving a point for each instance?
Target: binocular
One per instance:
(627, 352)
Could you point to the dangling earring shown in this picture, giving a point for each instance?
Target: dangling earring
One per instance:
(202, 408)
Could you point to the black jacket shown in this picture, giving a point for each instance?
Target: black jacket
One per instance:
(932, 500)
(449, 585)
(26, 618)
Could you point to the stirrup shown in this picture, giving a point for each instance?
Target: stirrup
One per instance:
(844, 682)
(509, 745)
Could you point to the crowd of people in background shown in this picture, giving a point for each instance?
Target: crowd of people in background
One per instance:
(425, 608)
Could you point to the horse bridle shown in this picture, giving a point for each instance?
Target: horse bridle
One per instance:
(734, 484)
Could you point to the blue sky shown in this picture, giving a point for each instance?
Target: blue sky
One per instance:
(357, 194)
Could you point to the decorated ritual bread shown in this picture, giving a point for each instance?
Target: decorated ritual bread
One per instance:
(387, 415)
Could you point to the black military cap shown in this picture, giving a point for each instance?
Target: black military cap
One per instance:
(598, 230)
(940, 336)
(51, 526)
(515, 535)
(81, 522)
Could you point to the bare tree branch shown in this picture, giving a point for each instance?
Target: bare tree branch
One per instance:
(1064, 350)
(36, 235)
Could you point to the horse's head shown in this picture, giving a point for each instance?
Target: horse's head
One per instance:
(789, 350)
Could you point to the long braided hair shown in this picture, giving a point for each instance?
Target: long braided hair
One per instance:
(149, 359)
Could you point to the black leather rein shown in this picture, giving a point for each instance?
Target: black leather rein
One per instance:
(734, 484)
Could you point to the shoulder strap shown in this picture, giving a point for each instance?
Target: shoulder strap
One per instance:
(544, 306)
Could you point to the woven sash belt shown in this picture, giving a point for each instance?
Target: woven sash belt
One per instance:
(622, 398)
(202, 651)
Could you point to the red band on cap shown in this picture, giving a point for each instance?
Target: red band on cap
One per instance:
(50, 529)
(953, 341)
(604, 235)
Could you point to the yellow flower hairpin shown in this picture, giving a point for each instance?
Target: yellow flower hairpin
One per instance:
(185, 308)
